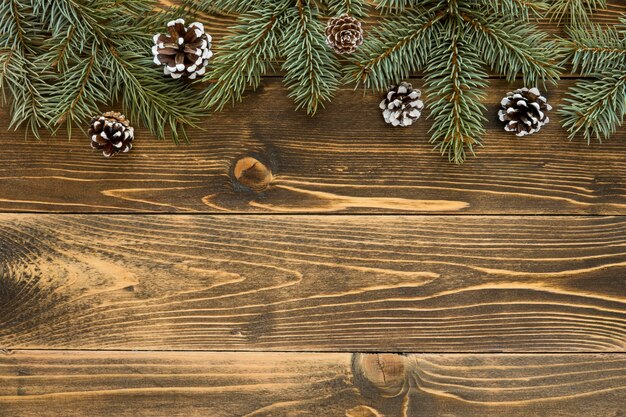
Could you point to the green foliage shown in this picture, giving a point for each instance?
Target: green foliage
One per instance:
(596, 106)
(457, 82)
(451, 41)
(309, 63)
(269, 30)
(62, 60)
(245, 55)
(574, 13)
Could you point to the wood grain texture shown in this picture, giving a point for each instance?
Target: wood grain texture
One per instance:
(313, 283)
(330, 163)
(71, 383)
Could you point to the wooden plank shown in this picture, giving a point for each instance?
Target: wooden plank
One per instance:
(79, 383)
(313, 283)
(336, 162)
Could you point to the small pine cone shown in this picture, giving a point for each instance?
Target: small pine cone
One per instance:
(524, 111)
(402, 105)
(344, 34)
(184, 51)
(111, 133)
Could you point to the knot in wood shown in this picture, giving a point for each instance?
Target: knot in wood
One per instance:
(252, 173)
(383, 373)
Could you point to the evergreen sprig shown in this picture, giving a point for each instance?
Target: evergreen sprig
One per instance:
(62, 60)
(271, 30)
(595, 107)
(451, 41)
(574, 13)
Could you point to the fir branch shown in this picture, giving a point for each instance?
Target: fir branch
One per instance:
(245, 55)
(456, 81)
(576, 13)
(310, 66)
(354, 8)
(518, 8)
(148, 96)
(75, 97)
(595, 108)
(395, 6)
(595, 50)
(393, 50)
(525, 51)
(19, 42)
(224, 6)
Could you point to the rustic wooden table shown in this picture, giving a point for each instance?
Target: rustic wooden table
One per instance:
(249, 272)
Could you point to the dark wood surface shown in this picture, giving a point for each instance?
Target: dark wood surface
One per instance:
(313, 283)
(79, 383)
(340, 161)
(510, 270)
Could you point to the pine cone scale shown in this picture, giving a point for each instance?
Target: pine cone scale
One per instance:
(185, 51)
(524, 111)
(344, 34)
(402, 105)
(111, 133)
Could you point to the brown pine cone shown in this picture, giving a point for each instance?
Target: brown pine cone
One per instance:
(524, 111)
(344, 34)
(184, 51)
(402, 105)
(111, 133)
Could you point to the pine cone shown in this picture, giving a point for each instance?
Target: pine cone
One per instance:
(184, 51)
(111, 133)
(402, 105)
(344, 34)
(524, 111)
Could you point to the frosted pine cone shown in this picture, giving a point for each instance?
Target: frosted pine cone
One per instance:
(184, 51)
(524, 111)
(344, 34)
(402, 105)
(111, 133)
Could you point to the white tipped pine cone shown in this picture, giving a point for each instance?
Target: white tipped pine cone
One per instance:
(402, 105)
(111, 133)
(344, 34)
(524, 111)
(184, 51)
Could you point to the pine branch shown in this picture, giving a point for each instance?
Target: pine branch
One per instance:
(576, 13)
(310, 66)
(245, 55)
(456, 82)
(518, 8)
(354, 8)
(74, 98)
(224, 6)
(19, 42)
(595, 108)
(595, 50)
(512, 47)
(395, 6)
(394, 49)
(148, 96)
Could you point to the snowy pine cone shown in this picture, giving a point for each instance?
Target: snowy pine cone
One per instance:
(344, 34)
(184, 51)
(402, 105)
(524, 111)
(111, 133)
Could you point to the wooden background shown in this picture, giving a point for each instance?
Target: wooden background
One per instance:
(282, 265)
